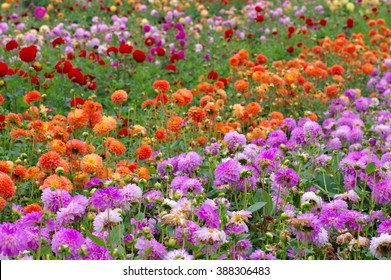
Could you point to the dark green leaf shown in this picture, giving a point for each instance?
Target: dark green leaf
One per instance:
(96, 240)
(256, 206)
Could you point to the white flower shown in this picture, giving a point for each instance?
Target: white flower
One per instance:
(210, 235)
(381, 246)
(312, 198)
(109, 216)
(179, 254)
(322, 238)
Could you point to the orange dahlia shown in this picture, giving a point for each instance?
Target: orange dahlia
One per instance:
(196, 114)
(161, 134)
(31, 96)
(75, 147)
(115, 146)
(174, 124)
(143, 173)
(32, 173)
(19, 172)
(78, 118)
(6, 166)
(58, 146)
(119, 97)
(144, 152)
(106, 125)
(7, 188)
(49, 161)
(253, 108)
(57, 182)
(91, 163)
(161, 85)
(34, 207)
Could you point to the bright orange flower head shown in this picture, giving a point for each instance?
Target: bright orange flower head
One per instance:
(106, 125)
(78, 118)
(19, 172)
(49, 161)
(75, 147)
(57, 182)
(7, 188)
(161, 134)
(143, 173)
(161, 85)
(115, 146)
(241, 85)
(144, 152)
(196, 114)
(32, 173)
(174, 124)
(6, 166)
(91, 163)
(58, 146)
(34, 207)
(119, 97)
(31, 96)
(253, 108)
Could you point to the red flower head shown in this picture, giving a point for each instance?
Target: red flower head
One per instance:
(212, 75)
(323, 22)
(149, 41)
(139, 56)
(171, 68)
(349, 23)
(76, 101)
(63, 66)
(160, 51)
(260, 18)
(57, 41)
(290, 49)
(125, 49)
(3, 69)
(28, 54)
(228, 34)
(111, 50)
(258, 9)
(76, 76)
(11, 45)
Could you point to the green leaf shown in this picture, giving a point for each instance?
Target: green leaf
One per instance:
(116, 234)
(256, 206)
(269, 207)
(96, 240)
(258, 195)
(371, 167)
(191, 246)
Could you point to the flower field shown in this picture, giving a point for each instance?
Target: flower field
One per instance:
(170, 129)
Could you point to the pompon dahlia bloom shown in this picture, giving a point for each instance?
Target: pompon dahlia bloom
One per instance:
(115, 146)
(119, 97)
(380, 247)
(210, 215)
(150, 249)
(31, 96)
(106, 219)
(57, 182)
(306, 227)
(144, 152)
(381, 192)
(189, 162)
(67, 238)
(131, 193)
(91, 163)
(74, 211)
(150, 198)
(174, 124)
(75, 147)
(227, 172)
(13, 239)
(28, 54)
(385, 227)
(276, 138)
(78, 118)
(161, 85)
(49, 161)
(287, 178)
(105, 198)
(235, 140)
(7, 188)
(105, 126)
(96, 252)
(178, 254)
(55, 199)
